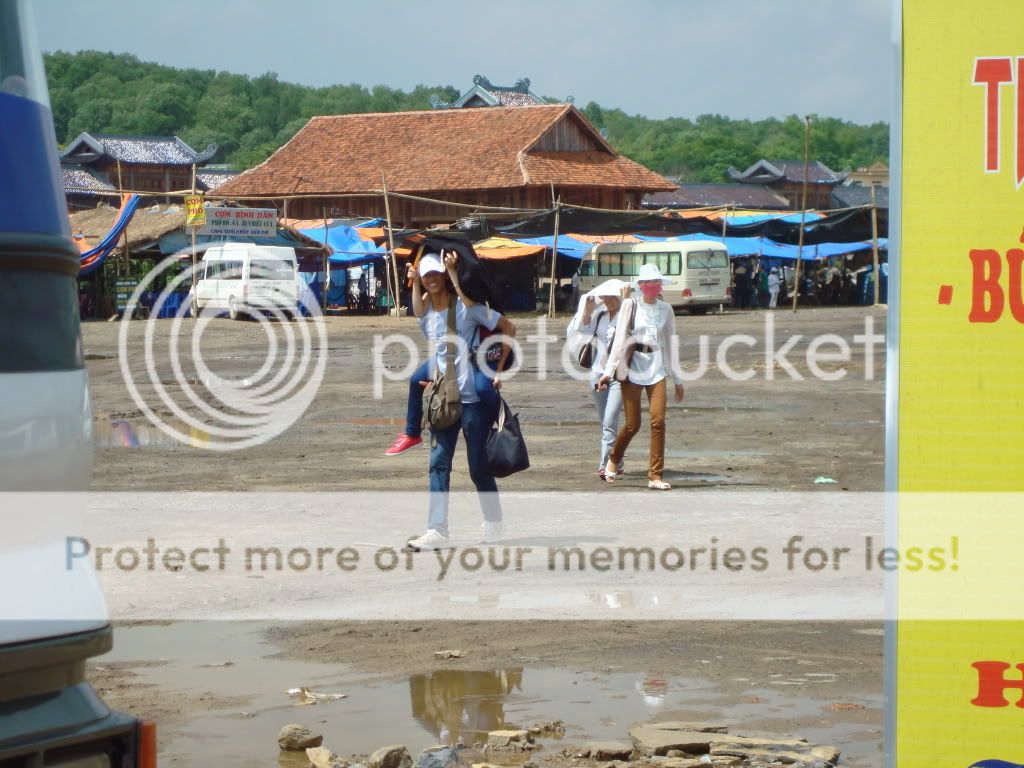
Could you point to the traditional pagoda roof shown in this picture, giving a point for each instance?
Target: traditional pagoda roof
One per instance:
(775, 171)
(209, 179)
(704, 195)
(79, 180)
(138, 150)
(485, 94)
(853, 195)
(442, 151)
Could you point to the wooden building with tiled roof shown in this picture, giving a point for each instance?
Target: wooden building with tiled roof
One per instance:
(712, 195)
(138, 163)
(485, 94)
(787, 178)
(493, 156)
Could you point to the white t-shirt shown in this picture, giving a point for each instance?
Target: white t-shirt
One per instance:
(654, 327)
(468, 320)
(773, 282)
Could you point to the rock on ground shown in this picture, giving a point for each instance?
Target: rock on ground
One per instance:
(296, 738)
(503, 739)
(394, 756)
(321, 757)
(652, 739)
(608, 750)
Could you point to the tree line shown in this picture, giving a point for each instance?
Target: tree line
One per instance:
(250, 117)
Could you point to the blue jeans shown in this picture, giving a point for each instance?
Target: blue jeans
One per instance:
(609, 409)
(414, 408)
(475, 426)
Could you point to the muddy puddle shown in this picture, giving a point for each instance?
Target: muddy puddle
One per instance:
(232, 662)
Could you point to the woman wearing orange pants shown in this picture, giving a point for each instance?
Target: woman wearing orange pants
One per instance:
(644, 355)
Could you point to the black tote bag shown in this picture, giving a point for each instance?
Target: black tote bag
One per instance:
(506, 448)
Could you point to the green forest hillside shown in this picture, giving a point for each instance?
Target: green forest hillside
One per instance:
(249, 118)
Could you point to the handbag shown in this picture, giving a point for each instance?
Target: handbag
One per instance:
(586, 354)
(444, 399)
(627, 356)
(505, 447)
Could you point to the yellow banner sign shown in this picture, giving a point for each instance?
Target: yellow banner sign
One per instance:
(958, 329)
(195, 213)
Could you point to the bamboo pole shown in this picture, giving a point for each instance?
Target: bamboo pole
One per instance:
(874, 245)
(803, 211)
(391, 243)
(195, 298)
(327, 266)
(554, 255)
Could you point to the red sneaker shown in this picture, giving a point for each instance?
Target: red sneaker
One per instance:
(402, 443)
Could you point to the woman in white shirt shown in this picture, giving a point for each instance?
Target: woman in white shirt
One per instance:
(596, 320)
(645, 353)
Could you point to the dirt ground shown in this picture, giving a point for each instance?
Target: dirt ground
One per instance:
(758, 434)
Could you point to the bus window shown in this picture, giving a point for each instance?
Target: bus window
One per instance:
(609, 264)
(658, 259)
(675, 264)
(587, 268)
(707, 260)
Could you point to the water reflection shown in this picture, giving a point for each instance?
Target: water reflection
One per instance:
(118, 433)
(461, 707)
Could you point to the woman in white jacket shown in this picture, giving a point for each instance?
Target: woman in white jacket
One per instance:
(645, 353)
(595, 322)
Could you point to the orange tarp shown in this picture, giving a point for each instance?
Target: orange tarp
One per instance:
(503, 248)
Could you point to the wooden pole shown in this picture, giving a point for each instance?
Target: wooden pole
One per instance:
(803, 211)
(121, 262)
(554, 255)
(391, 244)
(874, 245)
(194, 262)
(327, 267)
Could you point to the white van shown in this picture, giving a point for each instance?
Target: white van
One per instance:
(244, 278)
(699, 269)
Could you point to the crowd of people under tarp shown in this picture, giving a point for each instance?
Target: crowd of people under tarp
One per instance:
(760, 284)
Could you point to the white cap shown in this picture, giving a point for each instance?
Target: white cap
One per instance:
(651, 272)
(430, 262)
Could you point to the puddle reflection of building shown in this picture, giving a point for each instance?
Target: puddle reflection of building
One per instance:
(462, 707)
(653, 690)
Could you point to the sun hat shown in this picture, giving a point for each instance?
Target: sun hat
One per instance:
(612, 287)
(430, 262)
(651, 272)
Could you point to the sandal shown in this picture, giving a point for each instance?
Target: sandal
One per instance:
(658, 485)
(609, 476)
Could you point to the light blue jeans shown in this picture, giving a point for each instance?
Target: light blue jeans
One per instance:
(609, 409)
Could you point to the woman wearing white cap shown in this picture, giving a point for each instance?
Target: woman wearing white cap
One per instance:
(645, 353)
(475, 423)
(594, 323)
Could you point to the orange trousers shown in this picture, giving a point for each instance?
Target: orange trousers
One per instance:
(656, 400)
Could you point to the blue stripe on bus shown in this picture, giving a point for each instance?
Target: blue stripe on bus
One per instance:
(31, 188)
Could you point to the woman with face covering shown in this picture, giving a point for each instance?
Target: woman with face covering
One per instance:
(645, 353)
(596, 320)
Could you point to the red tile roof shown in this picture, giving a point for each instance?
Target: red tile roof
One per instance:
(436, 150)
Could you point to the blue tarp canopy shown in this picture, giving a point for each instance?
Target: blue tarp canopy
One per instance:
(568, 245)
(757, 218)
(347, 246)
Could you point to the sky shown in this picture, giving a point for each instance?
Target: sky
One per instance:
(660, 58)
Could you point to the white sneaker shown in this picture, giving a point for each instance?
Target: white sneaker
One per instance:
(429, 540)
(492, 532)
